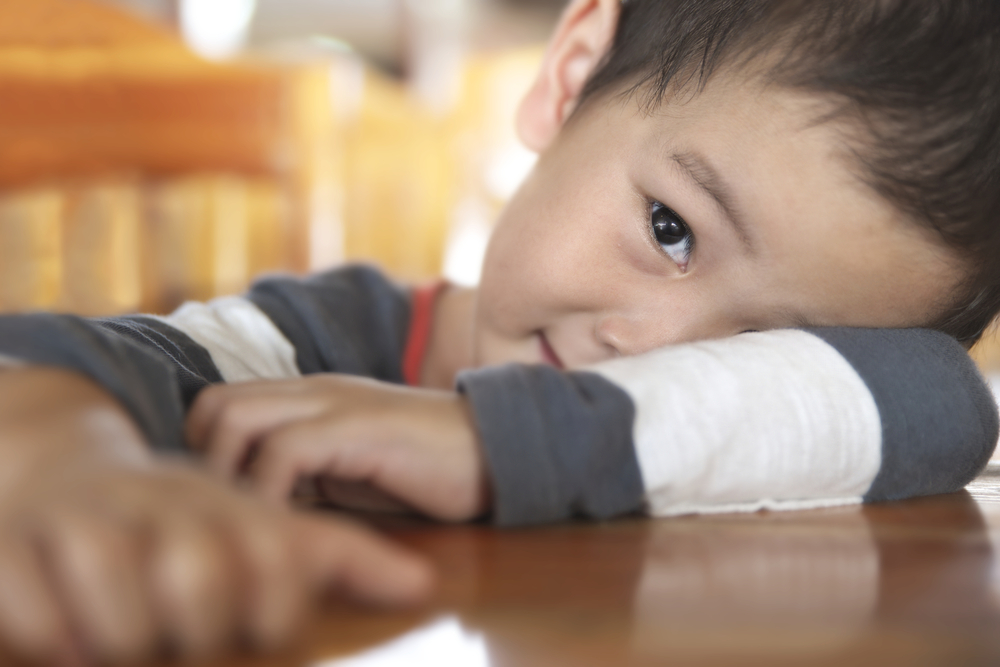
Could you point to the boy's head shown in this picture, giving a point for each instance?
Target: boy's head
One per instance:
(715, 166)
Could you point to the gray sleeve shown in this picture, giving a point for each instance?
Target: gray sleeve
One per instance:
(558, 445)
(561, 445)
(351, 320)
(939, 417)
(152, 370)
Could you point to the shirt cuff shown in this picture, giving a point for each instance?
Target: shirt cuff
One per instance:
(558, 445)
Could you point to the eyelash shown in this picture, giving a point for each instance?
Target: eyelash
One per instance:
(678, 250)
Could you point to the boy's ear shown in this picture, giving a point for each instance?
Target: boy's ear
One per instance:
(582, 38)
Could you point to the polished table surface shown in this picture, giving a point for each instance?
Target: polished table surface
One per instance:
(909, 583)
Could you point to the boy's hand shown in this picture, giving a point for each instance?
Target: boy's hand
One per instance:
(108, 553)
(416, 447)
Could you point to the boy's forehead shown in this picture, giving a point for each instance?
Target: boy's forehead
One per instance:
(741, 133)
(735, 101)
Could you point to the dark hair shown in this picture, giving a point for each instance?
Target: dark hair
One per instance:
(922, 77)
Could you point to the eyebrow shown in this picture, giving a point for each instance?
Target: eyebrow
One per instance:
(707, 178)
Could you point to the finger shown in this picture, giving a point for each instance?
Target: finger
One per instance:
(194, 592)
(303, 448)
(339, 555)
(203, 412)
(31, 622)
(275, 595)
(99, 573)
(359, 496)
(242, 423)
(268, 591)
(211, 402)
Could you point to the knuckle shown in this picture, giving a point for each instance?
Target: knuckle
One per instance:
(232, 414)
(193, 587)
(192, 568)
(277, 450)
(208, 400)
(30, 623)
(266, 550)
(87, 541)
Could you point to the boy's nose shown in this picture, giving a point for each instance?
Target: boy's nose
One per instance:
(624, 336)
(631, 335)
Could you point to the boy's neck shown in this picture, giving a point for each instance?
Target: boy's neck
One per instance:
(450, 348)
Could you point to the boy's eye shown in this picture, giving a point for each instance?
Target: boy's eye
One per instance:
(672, 233)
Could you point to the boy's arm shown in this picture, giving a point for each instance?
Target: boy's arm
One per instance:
(141, 378)
(108, 551)
(77, 481)
(782, 419)
(351, 321)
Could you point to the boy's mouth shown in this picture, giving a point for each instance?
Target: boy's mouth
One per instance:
(548, 354)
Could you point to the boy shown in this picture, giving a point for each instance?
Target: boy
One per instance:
(720, 182)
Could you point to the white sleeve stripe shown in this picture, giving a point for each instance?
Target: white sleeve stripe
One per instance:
(243, 342)
(776, 420)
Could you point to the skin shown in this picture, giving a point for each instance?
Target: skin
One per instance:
(574, 275)
(108, 554)
(815, 246)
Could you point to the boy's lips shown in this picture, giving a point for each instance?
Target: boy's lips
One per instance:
(548, 353)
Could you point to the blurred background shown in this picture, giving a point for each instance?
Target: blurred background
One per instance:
(154, 151)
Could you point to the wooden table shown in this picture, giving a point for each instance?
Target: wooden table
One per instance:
(911, 583)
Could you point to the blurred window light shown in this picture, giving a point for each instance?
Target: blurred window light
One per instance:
(436, 36)
(442, 643)
(216, 28)
(465, 250)
(507, 170)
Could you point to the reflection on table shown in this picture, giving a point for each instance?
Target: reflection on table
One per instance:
(910, 582)
(913, 583)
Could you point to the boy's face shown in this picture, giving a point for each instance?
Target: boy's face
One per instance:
(773, 229)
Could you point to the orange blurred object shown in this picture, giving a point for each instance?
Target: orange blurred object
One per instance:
(88, 89)
(400, 173)
(134, 175)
